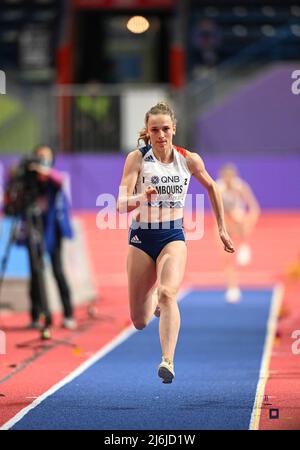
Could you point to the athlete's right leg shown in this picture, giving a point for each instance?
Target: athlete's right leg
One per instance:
(141, 270)
(233, 293)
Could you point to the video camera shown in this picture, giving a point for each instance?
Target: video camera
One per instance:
(23, 187)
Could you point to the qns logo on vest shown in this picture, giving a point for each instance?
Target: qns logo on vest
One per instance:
(155, 179)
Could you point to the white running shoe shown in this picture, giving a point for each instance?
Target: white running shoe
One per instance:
(157, 311)
(233, 295)
(166, 370)
(243, 255)
(69, 324)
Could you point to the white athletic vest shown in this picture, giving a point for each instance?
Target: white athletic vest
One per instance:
(232, 198)
(170, 180)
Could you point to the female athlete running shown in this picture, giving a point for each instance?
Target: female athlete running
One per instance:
(154, 184)
(241, 211)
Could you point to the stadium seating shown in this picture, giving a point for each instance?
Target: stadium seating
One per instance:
(15, 15)
(236, 25)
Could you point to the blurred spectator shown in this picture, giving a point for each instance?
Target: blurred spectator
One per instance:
(205, 42)
(94, 119)
(56, 226)
(49, 224)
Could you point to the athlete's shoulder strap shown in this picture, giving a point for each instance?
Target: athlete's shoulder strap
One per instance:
(180, 150)
(145, 149)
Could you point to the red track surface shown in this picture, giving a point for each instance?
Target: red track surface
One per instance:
(275, 244)
(282, 390)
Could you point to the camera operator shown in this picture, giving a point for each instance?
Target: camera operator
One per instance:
(52, 206)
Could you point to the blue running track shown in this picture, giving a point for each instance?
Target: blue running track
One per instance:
(217, 367)
(17, 263)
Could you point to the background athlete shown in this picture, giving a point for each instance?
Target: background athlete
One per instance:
(241, 210)
(154, 185)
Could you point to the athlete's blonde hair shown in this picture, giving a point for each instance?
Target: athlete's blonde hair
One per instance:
(159, 108)
(228, 168)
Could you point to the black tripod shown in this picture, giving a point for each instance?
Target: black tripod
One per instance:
(34, 222)
(35, 243)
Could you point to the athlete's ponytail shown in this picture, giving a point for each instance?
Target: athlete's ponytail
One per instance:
(143, 136)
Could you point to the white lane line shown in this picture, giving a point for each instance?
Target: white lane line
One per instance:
(266, 357)
(84, 366)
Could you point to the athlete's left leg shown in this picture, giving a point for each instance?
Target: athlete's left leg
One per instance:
(170, 265)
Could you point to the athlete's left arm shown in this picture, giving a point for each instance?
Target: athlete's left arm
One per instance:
(197, 169)
(252, 204)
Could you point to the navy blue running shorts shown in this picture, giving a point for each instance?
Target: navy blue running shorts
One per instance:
(153, 237)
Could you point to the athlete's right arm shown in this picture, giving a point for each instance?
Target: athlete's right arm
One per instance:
(126, 201)
(252, 205)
